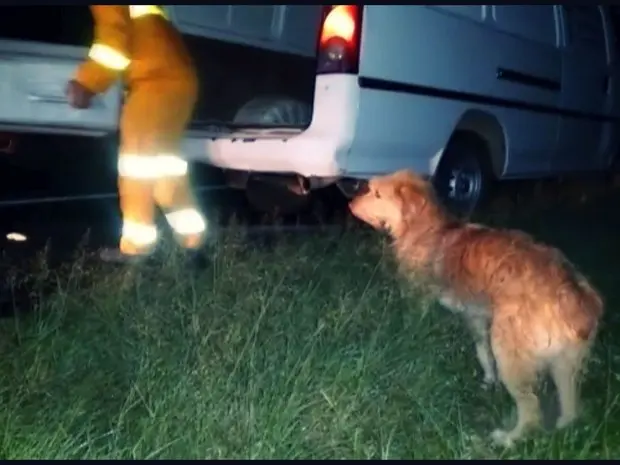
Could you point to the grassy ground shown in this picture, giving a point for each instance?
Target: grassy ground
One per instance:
(310, 349)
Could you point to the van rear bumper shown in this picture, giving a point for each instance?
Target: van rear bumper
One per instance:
(319, 151)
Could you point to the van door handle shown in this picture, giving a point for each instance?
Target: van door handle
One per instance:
(48, 98)
(95, 103)
(606, 84)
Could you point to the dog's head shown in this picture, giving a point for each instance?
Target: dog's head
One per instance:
(394, 201)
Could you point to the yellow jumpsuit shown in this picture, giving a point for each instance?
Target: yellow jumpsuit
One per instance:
(137, 42)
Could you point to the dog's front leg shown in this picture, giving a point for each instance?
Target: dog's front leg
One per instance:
(479, 327)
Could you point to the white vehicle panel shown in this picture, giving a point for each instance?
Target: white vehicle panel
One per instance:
(321, 150)
(33, 79)
(467, 68)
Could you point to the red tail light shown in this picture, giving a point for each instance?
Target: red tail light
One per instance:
(339, 40)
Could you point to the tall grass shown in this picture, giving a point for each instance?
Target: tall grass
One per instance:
(306, 349)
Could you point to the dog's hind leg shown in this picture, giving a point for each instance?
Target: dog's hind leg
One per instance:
(565, 370)
(518, 372)
(479, 327)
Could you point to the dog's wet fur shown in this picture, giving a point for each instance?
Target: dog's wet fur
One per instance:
(529, 310)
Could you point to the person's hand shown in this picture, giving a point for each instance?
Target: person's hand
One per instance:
(78, 95)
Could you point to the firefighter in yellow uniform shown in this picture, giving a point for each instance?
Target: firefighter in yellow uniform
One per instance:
(139, 44)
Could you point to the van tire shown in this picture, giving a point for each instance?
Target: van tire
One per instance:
(464, 175)
(275, 110)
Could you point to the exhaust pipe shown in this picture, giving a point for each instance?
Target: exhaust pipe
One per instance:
(297, 184)
(300, 185)
(351, 187)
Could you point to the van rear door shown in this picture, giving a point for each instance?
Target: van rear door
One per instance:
(33, 78)
(36, 61)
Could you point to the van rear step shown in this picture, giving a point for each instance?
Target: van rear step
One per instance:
(206, 130)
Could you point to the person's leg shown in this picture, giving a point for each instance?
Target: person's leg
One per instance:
(172, 190)
(137, 170)
(175, 197)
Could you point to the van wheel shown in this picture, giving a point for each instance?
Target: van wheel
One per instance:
(464, 174)
(262, 196)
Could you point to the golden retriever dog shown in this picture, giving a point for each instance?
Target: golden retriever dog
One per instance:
(528, 308)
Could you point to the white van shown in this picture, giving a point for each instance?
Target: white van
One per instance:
(308, 96)
(464, 93)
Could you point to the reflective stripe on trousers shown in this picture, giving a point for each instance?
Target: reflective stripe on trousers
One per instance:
(140, 234)
(186, 221)
(151, 167)
(161, 179)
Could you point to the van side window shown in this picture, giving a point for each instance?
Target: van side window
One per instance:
(65, 25)
(584, 26)
(532, 22)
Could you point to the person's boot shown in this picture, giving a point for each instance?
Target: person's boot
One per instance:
(195, 250)
(196, 259)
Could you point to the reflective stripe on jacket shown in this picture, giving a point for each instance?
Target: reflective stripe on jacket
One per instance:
(136, 41)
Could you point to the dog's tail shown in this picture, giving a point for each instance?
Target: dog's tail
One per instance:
(583, 306)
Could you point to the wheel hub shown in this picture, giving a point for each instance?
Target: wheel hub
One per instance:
(461, 185)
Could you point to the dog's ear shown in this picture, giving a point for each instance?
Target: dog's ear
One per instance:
(412, 198)
(408, 176)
